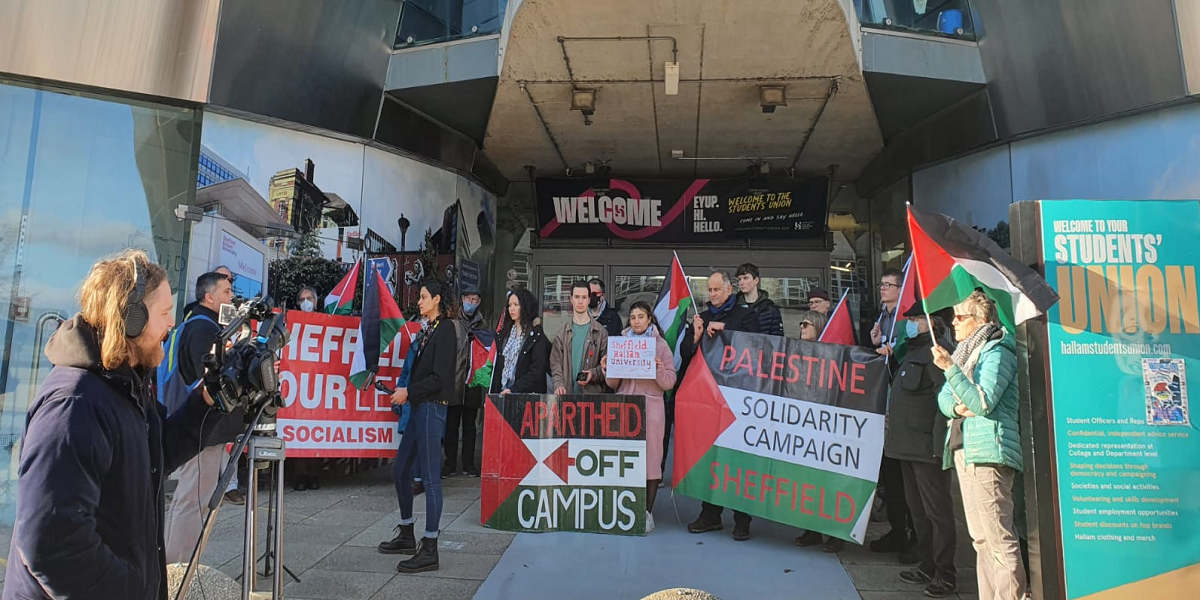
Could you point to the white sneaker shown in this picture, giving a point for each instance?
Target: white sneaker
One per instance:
(649, 522)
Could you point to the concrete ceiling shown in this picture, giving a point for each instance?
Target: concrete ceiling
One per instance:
(727, 48)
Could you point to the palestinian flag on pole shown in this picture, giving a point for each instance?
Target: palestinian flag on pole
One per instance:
(839, 329)
(898, 336)
(952, 259)
(339, 301)
(671, 309)
(381, 321)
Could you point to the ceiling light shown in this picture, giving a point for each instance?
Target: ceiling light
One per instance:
(771, 96)
(583, 100)
(671, 76)
(677, 154)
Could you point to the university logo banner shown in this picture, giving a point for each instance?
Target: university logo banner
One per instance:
(564, 463)
(783, 429)
(323, 414)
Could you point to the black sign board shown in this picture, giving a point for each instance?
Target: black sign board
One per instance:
(700, 210)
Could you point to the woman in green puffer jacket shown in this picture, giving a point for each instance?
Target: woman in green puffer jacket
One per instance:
(984, 442)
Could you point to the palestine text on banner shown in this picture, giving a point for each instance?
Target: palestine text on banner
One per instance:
(323, 415)
(564, 463)
(783, 429)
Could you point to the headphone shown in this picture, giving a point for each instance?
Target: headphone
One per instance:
(136, 315)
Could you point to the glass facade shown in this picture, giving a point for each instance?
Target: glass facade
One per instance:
(82, 176)
(950, 18)
(431, 21)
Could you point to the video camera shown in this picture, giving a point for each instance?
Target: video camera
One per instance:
(244, 376)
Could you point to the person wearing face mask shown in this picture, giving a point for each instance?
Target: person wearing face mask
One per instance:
(642, 323)
(600, 310)
(306, 300)
(461, 415)
(304, 470)
(914, 435)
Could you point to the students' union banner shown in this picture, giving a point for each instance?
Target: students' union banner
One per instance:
(783, 429)
(564, 463)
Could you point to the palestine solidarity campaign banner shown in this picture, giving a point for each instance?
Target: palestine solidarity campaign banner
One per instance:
(564, 463)
(784, 429)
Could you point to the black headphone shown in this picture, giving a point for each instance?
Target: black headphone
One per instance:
(136, 315)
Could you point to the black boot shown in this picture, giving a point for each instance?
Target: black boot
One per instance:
(403, 543)
(425, 560)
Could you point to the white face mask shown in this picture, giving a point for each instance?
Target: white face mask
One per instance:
(306, 305)
(910, 328)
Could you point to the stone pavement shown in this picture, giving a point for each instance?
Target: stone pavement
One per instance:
(330, 537)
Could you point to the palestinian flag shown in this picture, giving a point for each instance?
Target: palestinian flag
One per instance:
(339, 301)
(672, 307)
(381, 321)
(839, 329)
(483, 358)
(898, 336)
(952, 259)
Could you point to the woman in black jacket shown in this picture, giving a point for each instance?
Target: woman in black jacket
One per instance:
(430, 389)
(522, 351)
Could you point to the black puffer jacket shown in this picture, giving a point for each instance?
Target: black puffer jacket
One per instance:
(770, 321)
(94, 455)
(916, 428)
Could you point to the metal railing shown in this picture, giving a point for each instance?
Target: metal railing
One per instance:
(946, 18)
(432, 21)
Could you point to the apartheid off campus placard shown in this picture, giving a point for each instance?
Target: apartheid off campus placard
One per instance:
(323, 415)
(783, 429)
(564, 463)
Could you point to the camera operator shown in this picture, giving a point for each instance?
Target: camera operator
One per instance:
(97, 446)
(177, 375)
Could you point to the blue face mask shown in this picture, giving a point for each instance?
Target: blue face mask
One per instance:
(470, 307)
(910, 328)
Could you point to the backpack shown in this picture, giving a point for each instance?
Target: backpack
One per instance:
(173, 391)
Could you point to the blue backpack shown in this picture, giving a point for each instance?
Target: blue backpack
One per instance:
(173, 391)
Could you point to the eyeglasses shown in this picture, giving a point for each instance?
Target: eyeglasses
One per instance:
(887, 284)
(805, 324)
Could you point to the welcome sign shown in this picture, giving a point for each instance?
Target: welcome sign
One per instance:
(783, 429)
(564, 463)
(1121, 343)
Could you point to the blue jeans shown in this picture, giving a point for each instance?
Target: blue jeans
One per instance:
(421, 449)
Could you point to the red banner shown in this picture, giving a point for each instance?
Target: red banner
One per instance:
(323, 415)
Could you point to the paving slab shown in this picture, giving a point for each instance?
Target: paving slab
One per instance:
(585, 566)
(347, 585)
(409, 587)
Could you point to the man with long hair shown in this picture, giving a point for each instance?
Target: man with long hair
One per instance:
(97, 445)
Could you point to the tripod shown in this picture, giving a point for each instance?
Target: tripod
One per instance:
(264, 450)
(267, 454)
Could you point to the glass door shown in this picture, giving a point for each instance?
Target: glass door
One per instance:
(555, 296)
